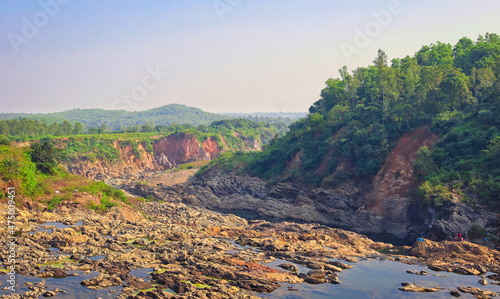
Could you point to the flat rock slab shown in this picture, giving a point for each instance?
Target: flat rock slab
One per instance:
(408, 287)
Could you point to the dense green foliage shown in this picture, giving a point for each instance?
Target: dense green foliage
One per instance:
(238, 134)
(234, 131)
(29, 127)
(93, 147)
(16, 166)
(455, 90)
(99, 120)
(46, 155)
(51, 183)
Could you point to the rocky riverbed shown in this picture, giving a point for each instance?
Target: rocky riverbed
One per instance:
(171, 250)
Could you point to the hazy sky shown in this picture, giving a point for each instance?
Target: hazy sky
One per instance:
(220, 56)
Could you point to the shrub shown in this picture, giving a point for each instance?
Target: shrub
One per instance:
(45, 155)
(56, 200)
(9, 168)
(106, 203)
(4, 140)
(477, 232)
(147, 145)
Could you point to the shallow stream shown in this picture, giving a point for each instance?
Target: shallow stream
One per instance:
(378, 279)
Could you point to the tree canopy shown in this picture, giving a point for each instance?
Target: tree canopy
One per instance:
(455, 90)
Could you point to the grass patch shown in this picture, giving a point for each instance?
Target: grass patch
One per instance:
(215, 278)
(148, 241)
(198, 285)
(60, 264)
(167, 290)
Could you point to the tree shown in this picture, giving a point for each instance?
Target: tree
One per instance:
(4, 128)
(66, 128)
(455, 90)
(382, 74)
(338, 111)
(461, 52)
(410, 78)
(78, 129)
(481, 79)
(428, 89)
(352, 83)
(333, 94)
(405, 111)
(102, 129)
(45, 155)
(4, 140)
(147, 127)
(435, 54)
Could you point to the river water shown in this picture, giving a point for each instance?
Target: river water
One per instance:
(379, 279)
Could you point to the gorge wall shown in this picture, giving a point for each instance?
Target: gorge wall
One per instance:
(168, 152)
(379, 206)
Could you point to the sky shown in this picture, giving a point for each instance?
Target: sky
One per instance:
(216, 55)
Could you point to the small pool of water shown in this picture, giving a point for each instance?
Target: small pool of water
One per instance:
(41, 228)
(143, 273)
(70, 284)
(97, 257)
(275, 265)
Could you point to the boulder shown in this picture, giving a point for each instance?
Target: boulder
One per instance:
(291, 267)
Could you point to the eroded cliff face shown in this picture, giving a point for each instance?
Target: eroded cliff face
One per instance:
(168, 152)
(180, 148)
(388, 201)
(379, 206)
(127, 166)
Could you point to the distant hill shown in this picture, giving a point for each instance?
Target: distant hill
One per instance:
(117, 119)
(161, 116)
(290, 115)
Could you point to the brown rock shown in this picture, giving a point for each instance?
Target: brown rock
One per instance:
(124, 213)
(316, 273)
(477, 292)
(483, 282)
(291, 267)
(408, 287)
(455, 293)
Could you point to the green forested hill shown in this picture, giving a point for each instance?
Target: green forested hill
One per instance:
(66, 122)
(117, 119)
(455, 90)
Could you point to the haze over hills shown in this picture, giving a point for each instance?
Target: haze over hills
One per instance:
(164, 115)
(291, 115)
